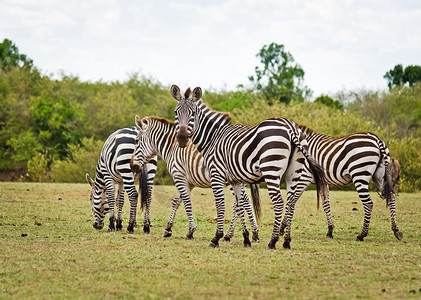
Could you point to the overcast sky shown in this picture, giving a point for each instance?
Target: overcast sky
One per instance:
(213, 44)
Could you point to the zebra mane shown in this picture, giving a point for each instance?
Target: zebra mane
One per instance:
(225, 117)
(161, 120)
(306, 130)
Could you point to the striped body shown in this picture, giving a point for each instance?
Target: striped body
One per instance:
(237, 154)
(355, 158)
(186, 166)
(114, 166)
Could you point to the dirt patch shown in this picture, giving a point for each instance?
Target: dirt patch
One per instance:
(12, 175)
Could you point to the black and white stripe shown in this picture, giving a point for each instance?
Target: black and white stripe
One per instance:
(186, 166)
(355, 158)
(238, 154)
(114, 166)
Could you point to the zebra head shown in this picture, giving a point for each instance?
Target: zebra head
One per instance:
(99, 203)
(185, 113)
(143, 150)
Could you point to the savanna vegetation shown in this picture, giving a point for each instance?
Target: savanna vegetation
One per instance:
(49, 250)
(52, 130)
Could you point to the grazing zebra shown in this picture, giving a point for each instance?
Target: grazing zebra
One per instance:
(186, 166)
(239, 154)
(114, 166)
(355, 158)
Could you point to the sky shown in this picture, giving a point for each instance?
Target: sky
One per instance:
(341, 45)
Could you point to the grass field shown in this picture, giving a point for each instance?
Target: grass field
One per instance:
(63, 256)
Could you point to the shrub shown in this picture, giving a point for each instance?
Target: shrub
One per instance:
(83, 159)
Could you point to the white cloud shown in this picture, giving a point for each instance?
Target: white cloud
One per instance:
(338, 44)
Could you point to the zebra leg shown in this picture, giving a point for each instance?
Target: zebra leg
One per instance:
(379, 180)
(273, 186)
(230, 232)
(133, 195)
(120, 203)
(326, 208)
(175, 204)
(184, 190)
(239, 201)
(362, 189)
(147, 220)
(111, 201)
(392, 206)
(219, 194)
(250, 213)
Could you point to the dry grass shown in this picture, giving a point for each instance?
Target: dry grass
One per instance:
(62, 256)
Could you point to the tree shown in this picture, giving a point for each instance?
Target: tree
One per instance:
(412, 74)
(328, 101)
(10, 57)
(280, 77)
(398, 76)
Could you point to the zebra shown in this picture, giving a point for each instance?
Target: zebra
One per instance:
(114, 166)
(186, 166)
(240, 154)
(355, 158)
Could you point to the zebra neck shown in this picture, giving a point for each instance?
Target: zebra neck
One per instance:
(208, 124)
(163, 139)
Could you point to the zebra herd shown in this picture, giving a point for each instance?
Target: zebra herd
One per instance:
(203, 149)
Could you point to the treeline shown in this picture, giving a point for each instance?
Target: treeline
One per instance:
(54, 129)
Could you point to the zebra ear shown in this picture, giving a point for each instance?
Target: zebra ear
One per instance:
(89, 180)
(140, 123)
(175, 92)
(197, 94)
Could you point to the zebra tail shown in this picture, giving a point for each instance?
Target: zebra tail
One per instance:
(143, 187)
(315, 169)
(318, 175)
(387, 191)
(255, 196)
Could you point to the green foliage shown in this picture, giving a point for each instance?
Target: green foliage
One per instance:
(10, 57)
(38, 168)
(328, 101)
(24, 146)
(57, 124)
(398, 76)
(229, 101)
(53, 121)
(398, 112)
(280, 77)
(408, 152)
(83, 159)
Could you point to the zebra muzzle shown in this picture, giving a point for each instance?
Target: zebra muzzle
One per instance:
(182, 137)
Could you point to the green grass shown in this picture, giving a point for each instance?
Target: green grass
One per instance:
(65, 257)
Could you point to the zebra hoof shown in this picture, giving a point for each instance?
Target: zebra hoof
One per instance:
(130, 229)
(286, 243)
(329, 235)
(110, 229)
(212, 245)
(255, 237)
(146, 229)
(119, 225)
(227, 238)
(271, 245)
(247, 243)
(359, 238)
(399, 235)
(167, 233)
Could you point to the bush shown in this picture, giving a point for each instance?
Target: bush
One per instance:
(38, 168)
(83, 159)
